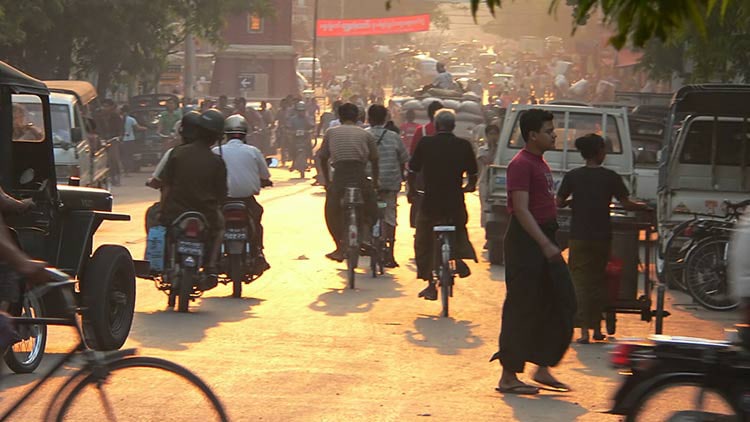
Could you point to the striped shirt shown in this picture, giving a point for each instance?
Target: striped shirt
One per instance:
(392, 157)
(348, 143)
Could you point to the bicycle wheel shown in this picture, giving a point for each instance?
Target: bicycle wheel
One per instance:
(150, 389)
(706, 275)
(674, 259)
(25, 356)
(446, 282)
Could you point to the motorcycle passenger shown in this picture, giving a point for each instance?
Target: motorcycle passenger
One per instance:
(247, 173)
(188, 132)
(349, 148)
(300, 127)
(392, 161)
(195, 179)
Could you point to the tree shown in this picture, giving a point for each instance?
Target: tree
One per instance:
(638, 21)
(114, 39)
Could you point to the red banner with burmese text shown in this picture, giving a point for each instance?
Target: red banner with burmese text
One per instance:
(375, 26)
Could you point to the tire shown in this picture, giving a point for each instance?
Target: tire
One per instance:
(641, 406)
(352, 259)
(446, 283)
(85, 378)
(673, 267)
(706, 275)
(22, 361)
(108, 290)
(185, 288)
(496, 252)
(236, 274)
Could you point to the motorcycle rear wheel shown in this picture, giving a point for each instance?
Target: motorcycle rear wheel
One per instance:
(185, 289)
(664, 401)
(236, 273)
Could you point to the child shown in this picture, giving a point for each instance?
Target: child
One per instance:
(592, 187)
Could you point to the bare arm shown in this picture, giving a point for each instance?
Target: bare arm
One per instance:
(631, 205)
(529, 224)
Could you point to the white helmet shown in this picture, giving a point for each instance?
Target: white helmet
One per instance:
(234, 124)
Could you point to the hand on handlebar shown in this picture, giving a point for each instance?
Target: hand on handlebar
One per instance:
(34, 272)
(26, 204)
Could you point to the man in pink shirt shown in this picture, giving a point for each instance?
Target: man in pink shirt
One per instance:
(537, 323)
(417, 184)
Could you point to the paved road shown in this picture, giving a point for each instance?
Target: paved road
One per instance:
(298, 346)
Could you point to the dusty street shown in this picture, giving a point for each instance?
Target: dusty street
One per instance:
(299, 347)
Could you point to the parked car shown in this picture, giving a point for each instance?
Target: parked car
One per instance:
(501, 81)
(462, 70)
(305, 67)
(571, 122)
(60, 228)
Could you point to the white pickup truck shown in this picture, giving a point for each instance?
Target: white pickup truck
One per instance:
(571, 122)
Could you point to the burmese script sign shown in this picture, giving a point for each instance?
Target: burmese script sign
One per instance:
(376, 26)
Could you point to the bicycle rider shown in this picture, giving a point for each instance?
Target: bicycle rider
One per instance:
(443, 159)
(349, 148)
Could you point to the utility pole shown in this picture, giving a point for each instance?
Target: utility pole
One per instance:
(188, 78)
(315, 43)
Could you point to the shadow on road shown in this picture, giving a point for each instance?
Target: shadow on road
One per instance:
(9, 380)
(446, 335)
(544, 406)
(170, 330)
(368, 290)
(593, 357)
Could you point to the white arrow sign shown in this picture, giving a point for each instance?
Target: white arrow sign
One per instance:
(244, 83)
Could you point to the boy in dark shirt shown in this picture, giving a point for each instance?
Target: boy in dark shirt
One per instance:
(592, 187)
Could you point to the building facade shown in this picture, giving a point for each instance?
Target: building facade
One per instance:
(259, 61)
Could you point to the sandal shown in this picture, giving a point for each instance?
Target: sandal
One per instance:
(521, 389)
(554, 385)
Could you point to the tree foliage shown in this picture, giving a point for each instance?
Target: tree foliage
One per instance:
(638, 21)
(116, 40)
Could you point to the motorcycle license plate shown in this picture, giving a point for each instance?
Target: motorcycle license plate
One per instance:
(300, 133)
(190, 248)
(236, 234)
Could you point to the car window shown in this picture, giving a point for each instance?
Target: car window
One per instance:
(730, 136)
(579, 124)
(646, 151)
(60, 123)
(28, 118)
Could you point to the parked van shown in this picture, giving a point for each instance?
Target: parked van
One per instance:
(305, 67)
(707, 154)
(571, 122)
(74, 157)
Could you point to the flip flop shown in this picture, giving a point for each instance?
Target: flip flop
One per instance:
(582, 341)
(554, 386)
(523, 389)
(599, 337)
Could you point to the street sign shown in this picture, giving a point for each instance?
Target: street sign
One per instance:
(247, 82)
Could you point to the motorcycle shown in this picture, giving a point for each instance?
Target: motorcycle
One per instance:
(237, 253)
(684, 379)
(302, 151)
(177, 256)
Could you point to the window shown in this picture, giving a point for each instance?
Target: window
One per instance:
(579, 124)
(28, 119)
(60, 124)
(730, 136)
(254, 23)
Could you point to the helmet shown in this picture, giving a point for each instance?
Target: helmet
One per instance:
(189, 125)
(235, 123)
(300, 106)
(212, 120)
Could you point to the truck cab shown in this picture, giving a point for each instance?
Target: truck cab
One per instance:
(707, 153)
(571, 122)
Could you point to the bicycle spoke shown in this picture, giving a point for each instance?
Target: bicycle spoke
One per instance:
(106, 404)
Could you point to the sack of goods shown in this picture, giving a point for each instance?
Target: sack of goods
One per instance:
(471, 96)
(426, 101)
(451, 104)
(413, 105)
(470, 107)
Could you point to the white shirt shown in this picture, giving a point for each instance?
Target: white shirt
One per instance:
(246, 166)
(444, 81)
(129, 132)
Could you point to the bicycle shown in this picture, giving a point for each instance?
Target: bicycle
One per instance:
(103, 375)
(352, 202)
(380, 243)
(444, 274)
(677, 243)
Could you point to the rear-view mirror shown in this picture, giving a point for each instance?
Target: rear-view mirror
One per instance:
(26, 177)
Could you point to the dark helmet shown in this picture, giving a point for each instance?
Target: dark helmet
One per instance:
(189, 125)
(212, 120)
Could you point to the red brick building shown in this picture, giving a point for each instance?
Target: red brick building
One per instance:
(258, 62)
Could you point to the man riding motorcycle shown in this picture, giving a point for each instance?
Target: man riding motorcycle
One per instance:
(247, 173)
(300, 127)
(195, 179)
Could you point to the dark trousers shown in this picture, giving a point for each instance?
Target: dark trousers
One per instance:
(127, 148)
(256, 214)
(424, 241)
(539, 304)
(348, 174)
